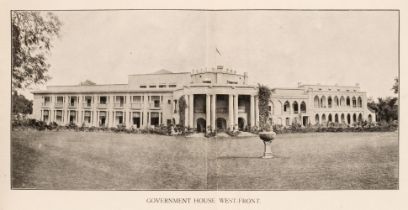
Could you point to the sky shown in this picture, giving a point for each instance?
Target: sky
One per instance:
(276, 48)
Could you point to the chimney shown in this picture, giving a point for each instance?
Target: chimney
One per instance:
(219, 68)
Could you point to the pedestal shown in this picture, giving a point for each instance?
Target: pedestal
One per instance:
(267, 138)
(267, 149)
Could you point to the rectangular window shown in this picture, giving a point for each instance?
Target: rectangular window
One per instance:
(73, 100)
(87, 117)
(156, 101)
(137, 99)
(72, 116)
(154, 119)
(88, 101)
(119, 118)
(103, 99)
(152, 86)
(162, 86)
(47, 100)
(46, 115)
(172, 86)
(60, 99)
(102, 118)
(136, 119)
(58, 115)
(142, 86)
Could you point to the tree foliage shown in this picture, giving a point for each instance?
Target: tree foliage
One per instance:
(32, 36)
(396, 85)
(20, 104)
(385, 109)
(182, 110)
(87, 83)
(264, 96)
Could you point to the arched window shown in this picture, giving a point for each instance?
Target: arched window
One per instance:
(348, 101)
(359, 102)
(295, 107)
(354, 102)
(330, 118)
(354, 117)
(343, 120)
(317, 120)
(316, 102)
(342, 101)
(348, 119)
(303, 107)
(323, 118)
(323, 102)
(336, 101)
(370, 118)
(336, 118)
(286, 107)
(329, 102)
(360, 118)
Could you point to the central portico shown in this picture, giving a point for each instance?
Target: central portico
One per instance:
(219, 107)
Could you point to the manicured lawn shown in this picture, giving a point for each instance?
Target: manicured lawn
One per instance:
(94, 161)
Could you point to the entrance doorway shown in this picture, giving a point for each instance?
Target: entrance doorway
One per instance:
(221, 124)
(241, 123)
(305, 120)
(201, 125)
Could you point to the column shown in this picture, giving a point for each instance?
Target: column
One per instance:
(213, 111)
(140, 119)
(191, 109)
(231, 111)
(145, 107)
(126, 119)
(257, 111)
(236, 110)
(207, 111)
(187, 111)
(252, 111)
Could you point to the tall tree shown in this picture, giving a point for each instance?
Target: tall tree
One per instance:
(20, 104)
(32, 36)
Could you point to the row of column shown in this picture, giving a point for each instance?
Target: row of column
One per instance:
(211, 111)
(110, 117)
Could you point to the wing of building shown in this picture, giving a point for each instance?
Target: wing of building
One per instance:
(214, 98)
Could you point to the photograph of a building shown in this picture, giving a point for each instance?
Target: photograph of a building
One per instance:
(217, 98)
(205, 100)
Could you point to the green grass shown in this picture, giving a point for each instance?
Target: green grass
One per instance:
(98, 160)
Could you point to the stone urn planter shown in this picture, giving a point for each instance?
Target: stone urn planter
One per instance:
(267, 137)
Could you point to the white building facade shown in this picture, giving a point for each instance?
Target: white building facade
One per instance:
(216, 98)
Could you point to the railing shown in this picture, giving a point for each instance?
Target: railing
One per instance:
(152, 105)
(72, 106)
(222, 110)
(136, 105)
(102, 106)
(118, 105)
(241, 109)
(59, 104)
(87, 105)
(199, 110)
(46, 104)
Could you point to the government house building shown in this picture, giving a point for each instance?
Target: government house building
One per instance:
(215, 98)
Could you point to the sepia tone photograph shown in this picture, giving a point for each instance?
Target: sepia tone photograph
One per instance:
(205, 100)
